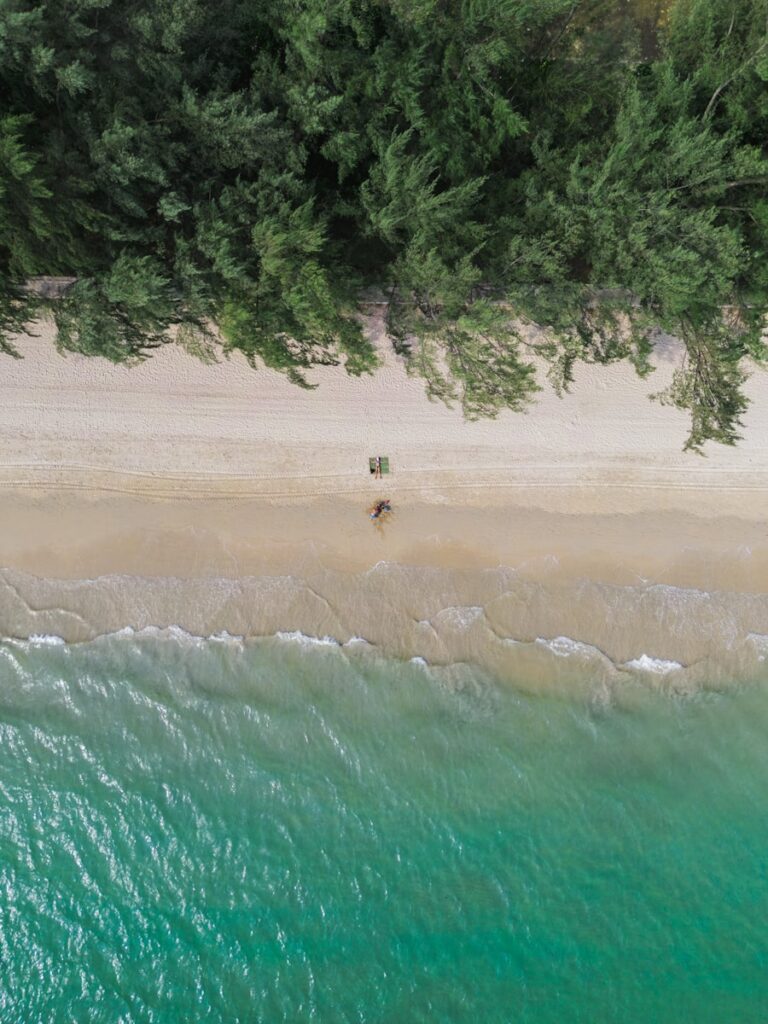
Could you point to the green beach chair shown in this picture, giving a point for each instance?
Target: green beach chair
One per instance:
(384, 464)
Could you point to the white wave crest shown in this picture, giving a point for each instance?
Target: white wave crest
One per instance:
(565, 647)
(658, 666)
(40, 640)
(459, 616)
(175, 633)
(297, 637)
(760, 642)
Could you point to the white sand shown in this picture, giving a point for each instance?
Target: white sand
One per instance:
(174, 426)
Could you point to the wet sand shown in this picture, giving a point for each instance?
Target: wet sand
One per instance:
(543, 599)
(75, 535)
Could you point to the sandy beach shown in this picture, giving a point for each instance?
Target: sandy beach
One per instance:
(178, 467)
(175, 427)
(127, 491)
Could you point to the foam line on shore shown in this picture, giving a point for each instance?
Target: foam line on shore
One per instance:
(530, 633)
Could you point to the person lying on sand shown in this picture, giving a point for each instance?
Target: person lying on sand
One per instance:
(380, 507)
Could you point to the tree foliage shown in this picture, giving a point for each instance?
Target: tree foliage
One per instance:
(598, 169)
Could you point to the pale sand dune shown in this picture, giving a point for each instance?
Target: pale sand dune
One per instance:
(173, 424)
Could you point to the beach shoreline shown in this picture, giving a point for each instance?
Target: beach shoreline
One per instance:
(546, 601)
(217, 499)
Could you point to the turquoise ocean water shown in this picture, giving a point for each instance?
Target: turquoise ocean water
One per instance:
(206, 831)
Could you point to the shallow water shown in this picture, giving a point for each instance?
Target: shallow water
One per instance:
(543, 634)
(205, 830)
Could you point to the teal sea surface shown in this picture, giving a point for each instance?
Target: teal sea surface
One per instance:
(204, 830)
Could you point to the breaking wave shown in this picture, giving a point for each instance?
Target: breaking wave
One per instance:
(559, 636)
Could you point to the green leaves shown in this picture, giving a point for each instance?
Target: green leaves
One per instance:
(74, 78)
(708, 384)
(294, 315)
(120, 315)
(473, 357)
(16, 311)
(464, 346)
(483, 353)
(25, 223)
(403, 198)
(648, 211)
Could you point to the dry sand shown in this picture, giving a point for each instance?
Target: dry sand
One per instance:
(176, 467)
(174, 426)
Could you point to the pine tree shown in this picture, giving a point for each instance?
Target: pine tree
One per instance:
(598, 169)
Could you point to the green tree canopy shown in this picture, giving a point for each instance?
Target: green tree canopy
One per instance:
(598, 169)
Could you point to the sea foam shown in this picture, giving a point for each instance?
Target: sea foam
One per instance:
(565, 647)
(658, 666)
(297, 637)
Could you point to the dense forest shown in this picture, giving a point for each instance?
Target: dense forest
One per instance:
(245, 169)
